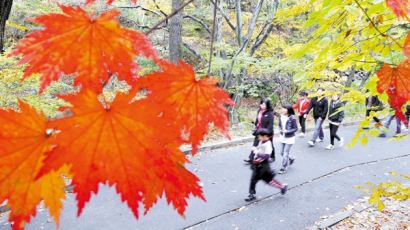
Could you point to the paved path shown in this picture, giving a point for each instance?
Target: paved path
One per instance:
(321, 183)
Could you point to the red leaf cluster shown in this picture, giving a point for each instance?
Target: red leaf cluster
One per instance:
(130, 144)
(400, 7)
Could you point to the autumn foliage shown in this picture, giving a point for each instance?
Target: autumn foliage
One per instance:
(132, 144)
(394, 80)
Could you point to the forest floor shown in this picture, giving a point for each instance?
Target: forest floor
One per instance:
(395, 215)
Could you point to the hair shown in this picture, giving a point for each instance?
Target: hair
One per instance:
(303, 93)
(263, 132)
(320, 88)
(268, 104)
(289, 109)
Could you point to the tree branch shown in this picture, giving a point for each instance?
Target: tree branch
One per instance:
(374, 25)
(168, 17)
(225, 16)
(199, 21)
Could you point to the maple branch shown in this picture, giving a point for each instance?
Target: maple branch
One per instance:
(168, 17)
(374, 25)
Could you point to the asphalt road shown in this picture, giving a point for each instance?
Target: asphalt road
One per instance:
(321, 183)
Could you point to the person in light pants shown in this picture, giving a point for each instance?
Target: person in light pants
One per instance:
(320, 108)
(288, 128)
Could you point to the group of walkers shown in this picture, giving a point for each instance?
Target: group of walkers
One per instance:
(263, 150)
(374, 105)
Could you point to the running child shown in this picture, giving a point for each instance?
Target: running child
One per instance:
(260, 165)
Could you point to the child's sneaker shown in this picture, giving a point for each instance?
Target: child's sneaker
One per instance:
(330, 147)
(301, 135)
(284, 189)
(311, 143)
(382, 135)
(341, 142)
(251, 197)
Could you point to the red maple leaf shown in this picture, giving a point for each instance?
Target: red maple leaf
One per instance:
(400, 7)
(126, 145)
(108, 1)
(406, 47)
(75, 42)
(23, 143)
(395, 81)
(193, 104)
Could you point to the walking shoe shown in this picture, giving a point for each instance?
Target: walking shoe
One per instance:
(291, 161)
(367, 127)
(382, 135)
(330, 147)
(319, 140)
(311, 143)
(301, 135)
(251, 197)
(397, 135)
(282, 171)
(284, 189)
(341, 142)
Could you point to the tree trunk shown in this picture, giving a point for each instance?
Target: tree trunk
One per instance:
(175, 33)
(5, 8)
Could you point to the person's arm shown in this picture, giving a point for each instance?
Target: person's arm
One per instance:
(311, 105)
(271, 122)
(256, 120)
(325, 109)
(342, 113)
(293, 127)
(296, 106)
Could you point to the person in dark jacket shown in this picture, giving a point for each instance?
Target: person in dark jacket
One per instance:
(288, 127)
(264, 119)
(373, 104)
(336, 116)
(260, 165)
(320, 108)
(407, 113)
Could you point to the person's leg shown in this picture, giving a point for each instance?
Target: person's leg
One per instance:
(285, 161)
(291, 158)
(335, 129)
(316, 130)
(332, 137)
(254, 179)
(321, 133)
(268, 176)
(302, 124)
(272, 155)
(398, 125)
